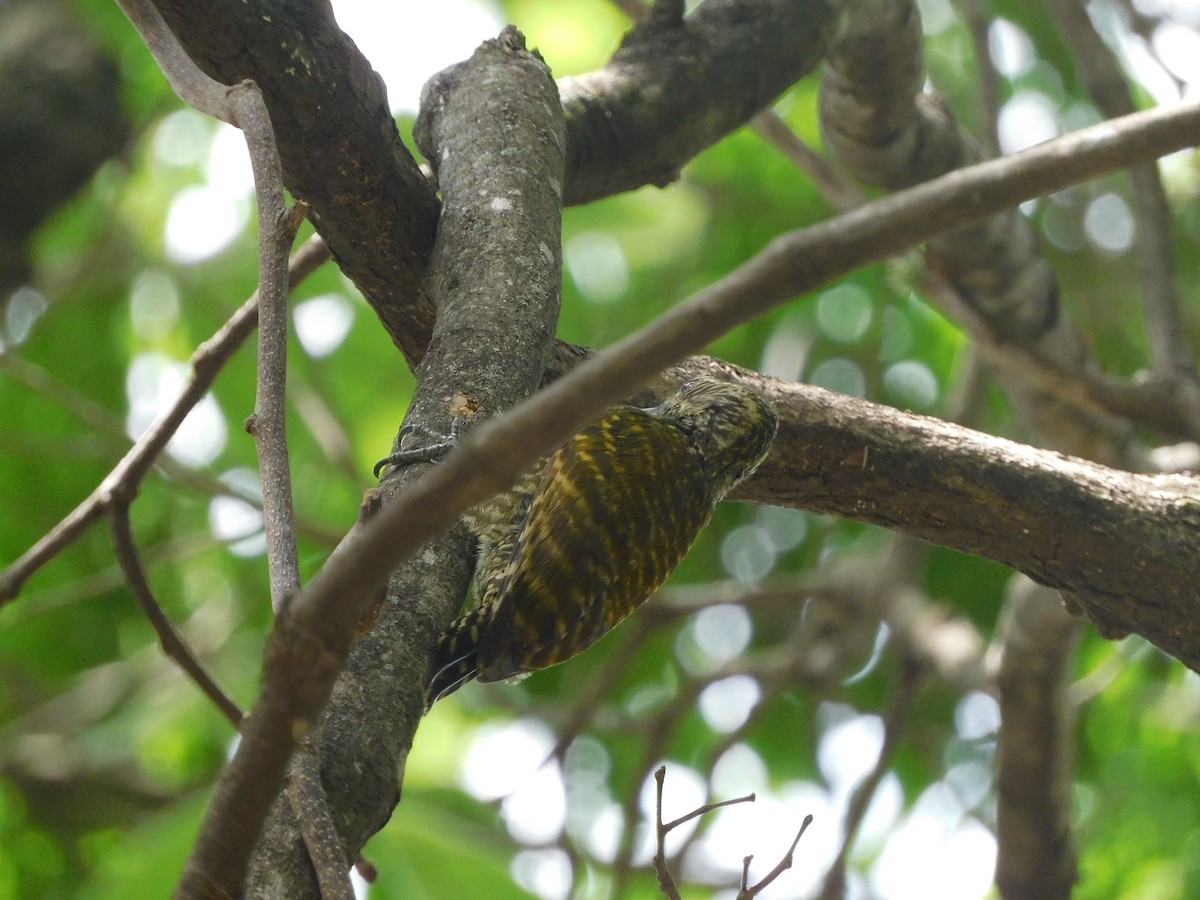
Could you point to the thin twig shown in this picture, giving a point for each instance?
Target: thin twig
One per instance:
(656, 733)
(746, 893)
(665, 881)
(188, 82)
(704, 810)
(172, 642)
(242, 105)
(277, 232)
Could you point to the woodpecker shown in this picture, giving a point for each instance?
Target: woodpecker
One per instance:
(589, 533)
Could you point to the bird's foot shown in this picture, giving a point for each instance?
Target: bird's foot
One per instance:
(441, 445)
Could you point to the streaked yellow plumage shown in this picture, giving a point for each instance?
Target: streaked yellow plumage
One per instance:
(583, 539)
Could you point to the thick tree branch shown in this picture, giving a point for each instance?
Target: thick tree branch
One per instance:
(677, 86)
(1132, 567)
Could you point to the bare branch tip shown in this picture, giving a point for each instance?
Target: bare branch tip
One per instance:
(294, 217)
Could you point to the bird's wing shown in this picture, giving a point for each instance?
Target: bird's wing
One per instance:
(615, 511)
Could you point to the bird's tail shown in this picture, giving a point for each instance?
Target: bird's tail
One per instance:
(455, 659)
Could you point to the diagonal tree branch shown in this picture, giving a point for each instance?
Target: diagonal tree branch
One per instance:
(310, 642)
(173, 644)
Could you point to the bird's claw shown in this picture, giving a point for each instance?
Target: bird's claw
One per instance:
(441, 446)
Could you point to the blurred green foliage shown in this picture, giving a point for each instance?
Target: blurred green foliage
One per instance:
(107, 753)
